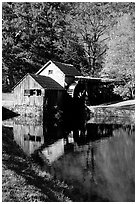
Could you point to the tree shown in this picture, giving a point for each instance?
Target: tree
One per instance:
(76, 33)
(15, 56)
(120, 57)
(31, 32)
(90, 23)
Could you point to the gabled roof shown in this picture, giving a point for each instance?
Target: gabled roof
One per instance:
(47, 82)
(67, 69)
(44, 81)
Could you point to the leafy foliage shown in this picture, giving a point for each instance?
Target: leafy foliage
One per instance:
(30, 35)
(120, 58)
(89, 23)
(91, 36)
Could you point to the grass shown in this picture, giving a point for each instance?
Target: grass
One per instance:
(22, 178)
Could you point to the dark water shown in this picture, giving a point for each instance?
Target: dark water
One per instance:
(97, 159)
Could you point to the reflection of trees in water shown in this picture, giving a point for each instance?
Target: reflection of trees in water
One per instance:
(92, 132)
(97, 165)
(98, 131)
(103, 167)
(90, 163)
(130, 129)
(115, 160)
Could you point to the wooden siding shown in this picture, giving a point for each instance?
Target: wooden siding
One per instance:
(8, 99)
(53, 98)
(57, 74)
(7, 96)
(60, 97)
(26, 84)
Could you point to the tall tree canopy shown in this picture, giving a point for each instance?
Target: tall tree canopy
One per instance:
(31, 32)
(90, 24)
(120, 57)
(96, 38)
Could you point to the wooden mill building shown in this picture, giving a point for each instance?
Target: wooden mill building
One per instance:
(33, 92)
(62, 73)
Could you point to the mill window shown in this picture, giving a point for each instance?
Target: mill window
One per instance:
(32, 138)
(26, 92)
(50, 72)
(38, 92)
(31, 92)
(38, 139)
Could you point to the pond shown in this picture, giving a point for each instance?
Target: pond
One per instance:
(96, 159)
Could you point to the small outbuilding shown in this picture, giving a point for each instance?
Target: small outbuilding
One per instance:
(34, 92)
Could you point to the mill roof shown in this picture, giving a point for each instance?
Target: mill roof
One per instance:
(67, 69)
(47, 82)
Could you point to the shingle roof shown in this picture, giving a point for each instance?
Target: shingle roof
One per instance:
(47, 82)
(67, 69)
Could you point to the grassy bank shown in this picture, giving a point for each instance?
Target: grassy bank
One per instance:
(22, 178)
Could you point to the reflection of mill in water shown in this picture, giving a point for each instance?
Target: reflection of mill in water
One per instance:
(34, 136)
(28, 135)
(87, 158)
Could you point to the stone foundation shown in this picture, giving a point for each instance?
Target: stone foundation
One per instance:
(30, 111)
(109, 114)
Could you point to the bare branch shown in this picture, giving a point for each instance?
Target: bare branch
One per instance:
(104, 39)
(101, 53)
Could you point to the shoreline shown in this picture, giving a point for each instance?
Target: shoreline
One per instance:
(23, 180)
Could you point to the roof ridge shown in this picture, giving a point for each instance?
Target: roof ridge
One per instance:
(63, 63)
(67, 69)
(43, 67)
(19, 81)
